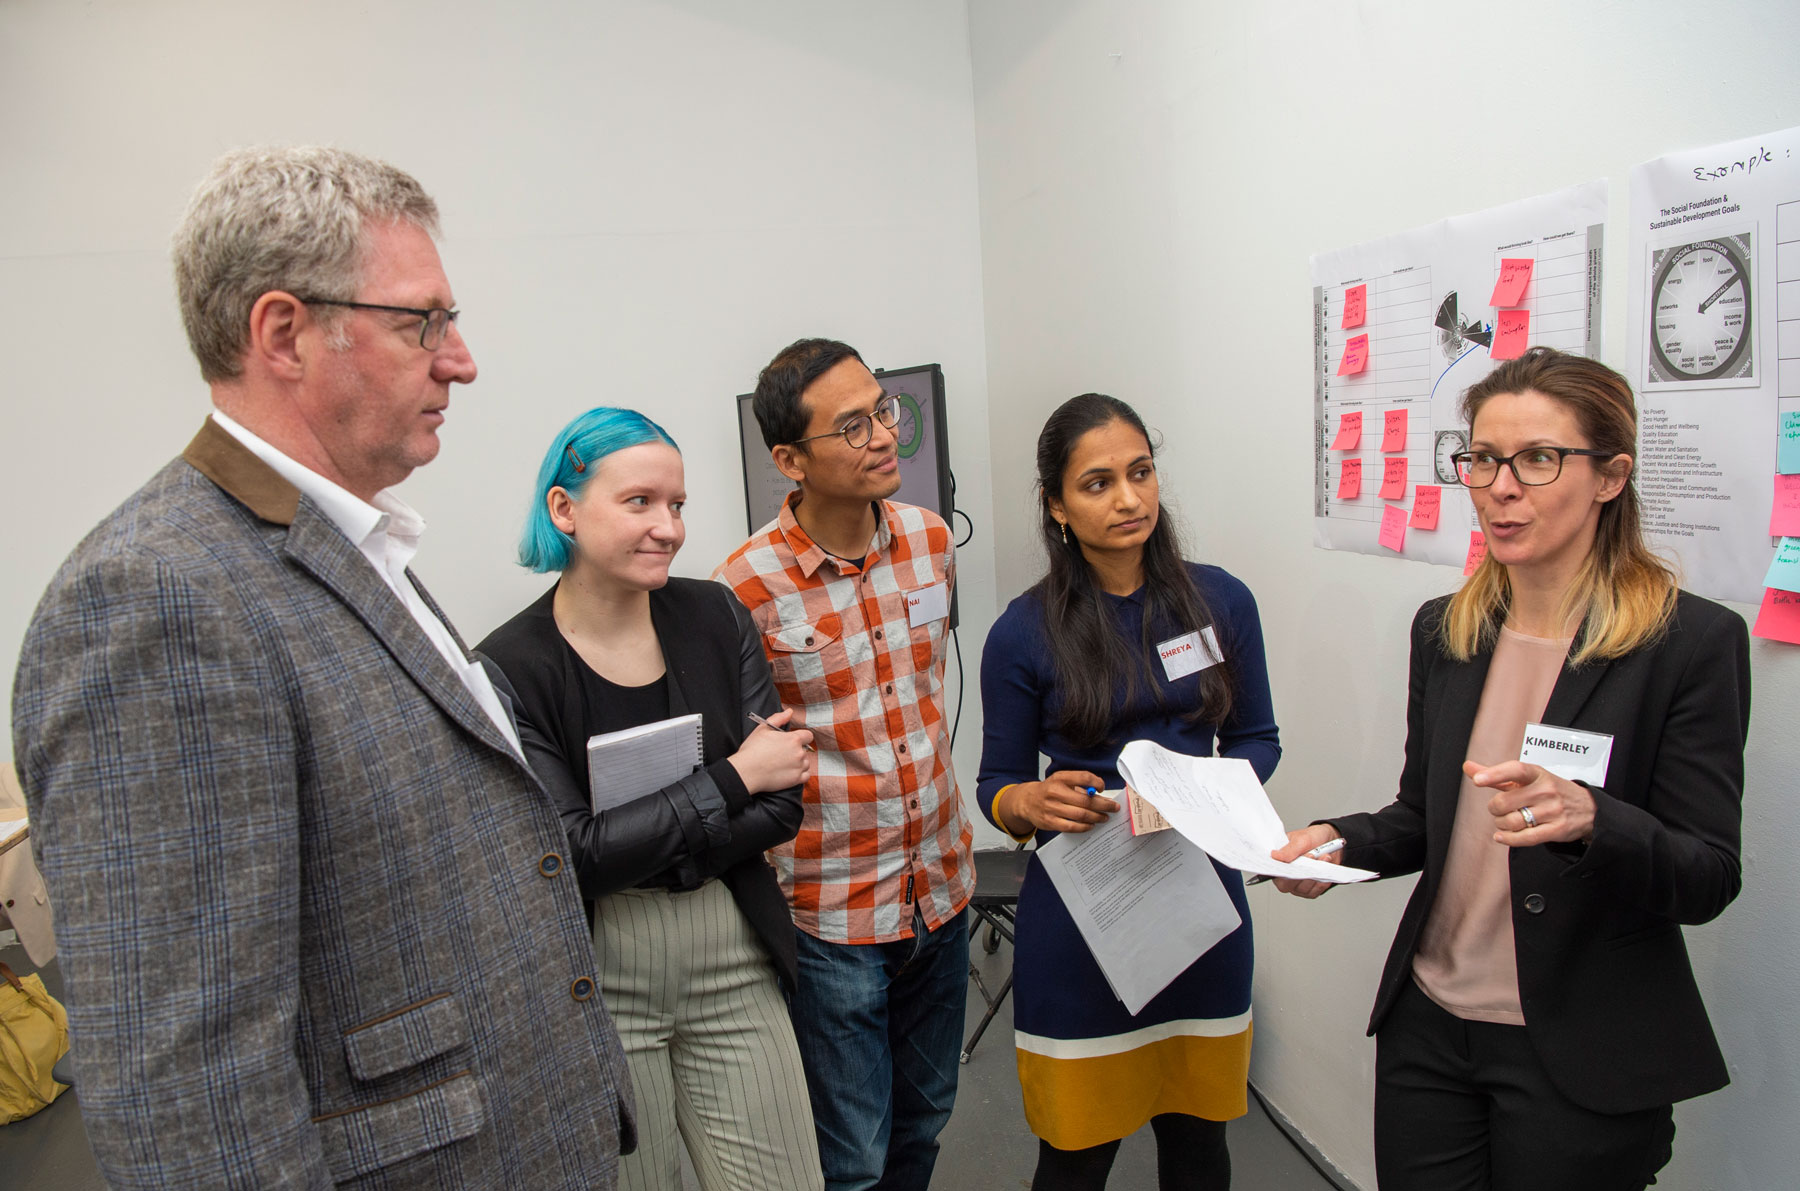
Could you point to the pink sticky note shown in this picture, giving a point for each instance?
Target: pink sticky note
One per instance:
(1393, 479)
(1477, 552)
(1356, 355)
(1393, 527)
(1515, 272)
(1393, 430)
(1349, 479)
(1784, 517)
(1511, 329)
(1427, 499)
(1779, 619)
(1356, 305)
(1349, 431)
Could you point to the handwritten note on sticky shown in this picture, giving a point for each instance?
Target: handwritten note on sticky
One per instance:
(1349, 479)
(1393, 527)
(1779, 619)
(1349, 431)
(1787, 444)
(1356, 356)
(1784, 517)
(1393, 479)
(1512, 328)
(1393, 430)
(1477, 552)
(1515, 273)
(1427, 498)
(1784, 572)
(1356, 306)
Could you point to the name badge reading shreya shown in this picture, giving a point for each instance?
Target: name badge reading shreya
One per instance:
(1190, 653)
(1568, 752)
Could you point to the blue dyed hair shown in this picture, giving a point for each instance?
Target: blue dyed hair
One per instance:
(569, 464)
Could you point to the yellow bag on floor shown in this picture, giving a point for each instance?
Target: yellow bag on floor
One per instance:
(34, 1033)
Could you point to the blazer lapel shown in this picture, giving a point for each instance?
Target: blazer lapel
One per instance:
(1574, 687)
(1456, 704)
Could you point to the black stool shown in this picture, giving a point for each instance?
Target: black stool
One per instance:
(999, 875)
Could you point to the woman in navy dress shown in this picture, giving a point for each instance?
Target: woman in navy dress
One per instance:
(1072, 669)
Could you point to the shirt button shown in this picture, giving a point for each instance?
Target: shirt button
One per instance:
(890, 688)
(878, 634)
(915, 804)
(1534, 903)
(809, 640)
(903, 748)
(582, 989)
(550, 865)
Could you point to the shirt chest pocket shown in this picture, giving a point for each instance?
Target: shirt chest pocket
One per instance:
(810, 655)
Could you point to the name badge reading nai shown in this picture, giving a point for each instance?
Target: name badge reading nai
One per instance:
(1568, 752)
(927, 604)
(1190, 653)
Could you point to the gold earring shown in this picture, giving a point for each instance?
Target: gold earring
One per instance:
(1065, 531)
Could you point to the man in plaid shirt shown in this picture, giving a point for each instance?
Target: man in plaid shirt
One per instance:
(851, 592)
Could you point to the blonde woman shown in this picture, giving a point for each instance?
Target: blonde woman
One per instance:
(1538, 1015)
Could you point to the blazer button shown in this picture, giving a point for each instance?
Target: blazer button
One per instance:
(582, 989)
(550, 865)
(1534, 903)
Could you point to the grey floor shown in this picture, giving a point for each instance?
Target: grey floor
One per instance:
(985, 1146)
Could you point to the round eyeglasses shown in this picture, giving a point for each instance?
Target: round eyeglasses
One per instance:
(859, 430)
(432, 330)
(1533, 467)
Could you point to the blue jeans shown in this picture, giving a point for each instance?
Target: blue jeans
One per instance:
(880, 1031)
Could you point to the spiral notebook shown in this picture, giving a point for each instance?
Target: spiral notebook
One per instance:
(632, 762)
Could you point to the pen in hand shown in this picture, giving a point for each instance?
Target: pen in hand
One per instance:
(1323, 850)
(774, 728)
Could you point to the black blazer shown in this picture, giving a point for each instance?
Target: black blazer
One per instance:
(706, 825)
(1609, 997)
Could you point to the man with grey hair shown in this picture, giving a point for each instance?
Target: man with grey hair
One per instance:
(317, 926)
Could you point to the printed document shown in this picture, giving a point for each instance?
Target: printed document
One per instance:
(1218, 804)
(1147, 906)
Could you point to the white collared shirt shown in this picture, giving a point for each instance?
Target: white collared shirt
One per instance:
(386, 533)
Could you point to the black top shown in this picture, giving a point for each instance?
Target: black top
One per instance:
(705, 825)
(1610, 1001)
(622, 707)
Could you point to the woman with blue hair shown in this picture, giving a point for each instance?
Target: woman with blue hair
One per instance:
(693, 937)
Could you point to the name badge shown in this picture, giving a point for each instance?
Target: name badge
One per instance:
(927, 604)
(1190, 653)
(1568, 753)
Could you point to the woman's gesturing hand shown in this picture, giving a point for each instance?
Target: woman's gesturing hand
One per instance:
(771, 759)
(1299, 844)
(1533, 805)
(1060, 802)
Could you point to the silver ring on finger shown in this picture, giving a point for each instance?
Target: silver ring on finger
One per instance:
(1530, 819)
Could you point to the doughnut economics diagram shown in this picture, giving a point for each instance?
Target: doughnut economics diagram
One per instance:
(1700, 312)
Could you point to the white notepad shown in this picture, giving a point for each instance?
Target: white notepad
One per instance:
(633, 762)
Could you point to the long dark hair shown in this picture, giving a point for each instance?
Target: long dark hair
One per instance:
(1091, 669)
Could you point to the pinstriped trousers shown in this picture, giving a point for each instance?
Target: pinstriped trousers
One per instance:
(709, 1043)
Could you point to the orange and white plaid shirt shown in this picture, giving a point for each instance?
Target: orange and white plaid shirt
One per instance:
(884, 825)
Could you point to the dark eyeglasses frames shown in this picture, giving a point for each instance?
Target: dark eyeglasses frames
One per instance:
(432, 330)
(1533, 467)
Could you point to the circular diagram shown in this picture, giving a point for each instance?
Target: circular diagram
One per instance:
(909, 431)
(1447, 444)
(1700, 311)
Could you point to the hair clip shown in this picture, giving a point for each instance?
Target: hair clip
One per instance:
(579, 465)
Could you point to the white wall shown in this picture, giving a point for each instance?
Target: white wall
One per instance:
(1153, 177)
(642, 203)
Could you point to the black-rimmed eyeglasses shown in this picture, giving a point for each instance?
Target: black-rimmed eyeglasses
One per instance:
(435, 324)
(1534, 466)
(859, 430)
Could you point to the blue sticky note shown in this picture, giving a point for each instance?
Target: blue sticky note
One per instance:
(1784, 572)
(1787, 439)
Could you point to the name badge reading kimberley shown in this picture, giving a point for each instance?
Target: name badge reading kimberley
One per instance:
(927, 604)
(1568, 753)
(1190, 653)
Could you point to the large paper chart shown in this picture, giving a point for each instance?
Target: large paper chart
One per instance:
(1714, 350)
(1424, 299)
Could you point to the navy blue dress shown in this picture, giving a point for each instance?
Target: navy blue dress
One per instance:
(1091, 1072)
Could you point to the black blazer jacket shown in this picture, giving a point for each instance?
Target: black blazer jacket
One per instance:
(1609, 997)
(707, 824)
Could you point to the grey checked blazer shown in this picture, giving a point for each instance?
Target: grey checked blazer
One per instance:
(316, 922)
